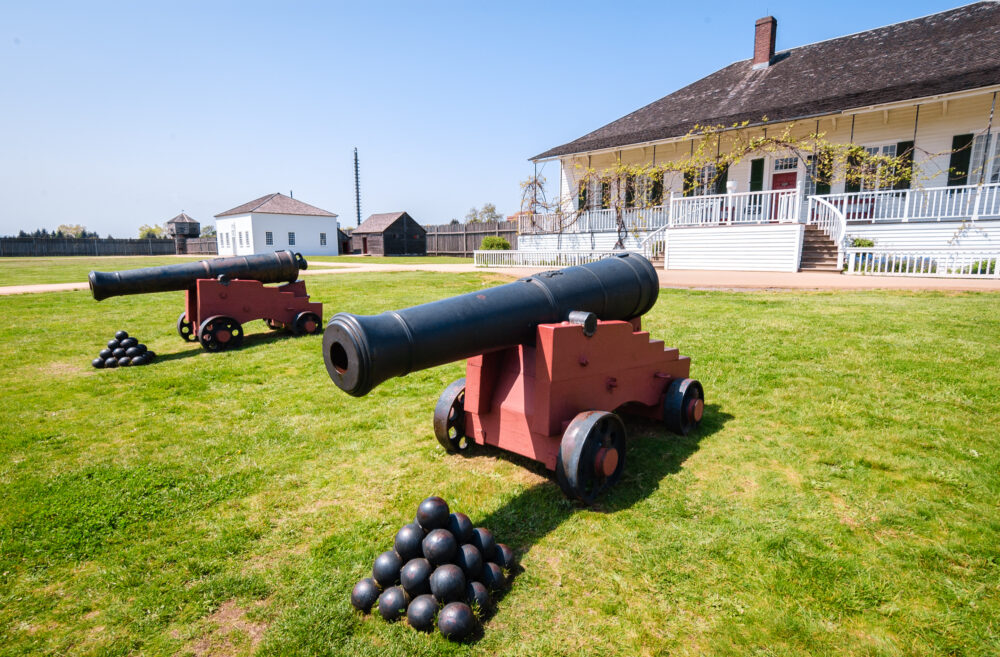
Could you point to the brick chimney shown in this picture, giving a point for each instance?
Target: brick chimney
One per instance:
(763, 41)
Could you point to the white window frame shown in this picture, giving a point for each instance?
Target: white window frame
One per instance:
(984, 161)
(887, 149)
(704, 183)
(786, 164)
(291, 238)
(268, 238)
(322, 239)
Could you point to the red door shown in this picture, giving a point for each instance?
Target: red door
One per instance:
(784, 180)
(781, 182)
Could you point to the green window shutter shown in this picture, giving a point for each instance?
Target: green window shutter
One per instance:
(721, 178)
(851, 186)
(656, 192)
(757, 175)
(581, 198)
(824, 168)
(605, 195)
(630, 191)
(689, 183)
(904, 151)
(961, 153)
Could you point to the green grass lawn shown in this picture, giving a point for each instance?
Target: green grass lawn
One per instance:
(73, 269)
(840, 498)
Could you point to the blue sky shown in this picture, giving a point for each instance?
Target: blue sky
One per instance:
(115, 115)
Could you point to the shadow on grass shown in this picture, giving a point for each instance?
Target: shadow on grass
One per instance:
(251, 341)
(652, 454)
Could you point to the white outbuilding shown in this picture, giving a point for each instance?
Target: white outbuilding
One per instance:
(275, 222)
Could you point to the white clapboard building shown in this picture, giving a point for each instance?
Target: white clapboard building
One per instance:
(925, 89)
(275, 222)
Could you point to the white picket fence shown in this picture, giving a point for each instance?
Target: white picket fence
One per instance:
(552, 259)
(954, 263)
(920, 204)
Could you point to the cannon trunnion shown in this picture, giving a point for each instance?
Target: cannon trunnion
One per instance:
(223, 294)
(552, 360)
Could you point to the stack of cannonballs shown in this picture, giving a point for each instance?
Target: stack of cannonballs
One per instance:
(123, 351)
(440, 566)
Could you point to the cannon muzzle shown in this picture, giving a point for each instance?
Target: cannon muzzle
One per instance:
(362, 351)
(277, 267)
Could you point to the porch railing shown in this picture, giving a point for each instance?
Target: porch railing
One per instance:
(830, 219)
(921, 204)
(741, 208)
(594, 221)
(942, 263)
(537, 258)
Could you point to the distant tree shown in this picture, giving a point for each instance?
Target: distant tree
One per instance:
(72, 230)
(488, 213)
(455, 222)
(147, 232)
(208, 231)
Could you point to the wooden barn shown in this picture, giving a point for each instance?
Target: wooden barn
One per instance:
(345, 242)
(389, 234)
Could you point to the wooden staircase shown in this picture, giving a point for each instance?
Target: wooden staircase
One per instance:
(819, 253)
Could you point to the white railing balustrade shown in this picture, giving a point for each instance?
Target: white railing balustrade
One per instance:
(538, 258)
(654, 244)
(942, 263)
(594, 221)
(828, 218)
(921, 204)
(781, 206)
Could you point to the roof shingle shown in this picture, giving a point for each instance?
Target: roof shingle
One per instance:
(277, 204)
(377, 223)
(951, 51)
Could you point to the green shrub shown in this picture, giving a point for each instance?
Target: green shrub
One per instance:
(862, 242)
(494, 243)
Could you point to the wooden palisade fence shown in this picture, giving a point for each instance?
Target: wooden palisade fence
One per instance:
(464, 239)
(43, 247)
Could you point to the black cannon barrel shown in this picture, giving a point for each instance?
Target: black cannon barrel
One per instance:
(277, 267)
(362, 351)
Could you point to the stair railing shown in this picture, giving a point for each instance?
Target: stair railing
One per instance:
(831, 220)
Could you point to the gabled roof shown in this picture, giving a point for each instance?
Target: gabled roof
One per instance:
(278, 204)
(951, 51)
(377, 223)
(182, 219)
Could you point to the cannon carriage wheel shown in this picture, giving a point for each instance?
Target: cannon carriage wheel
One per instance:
(591, 455)
(306, 323)
(272, 324)
(185, 329)
(449, 418)
(220, 333)
(683, 406)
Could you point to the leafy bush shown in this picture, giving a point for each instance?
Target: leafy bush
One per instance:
(494, 243)
(862, 242)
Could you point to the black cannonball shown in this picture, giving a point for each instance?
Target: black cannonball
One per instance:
(433, 513)
(150, 356)
(132, 352)
(121, 335)
(124, 361)
(392, 603)
(142, 348)
(407, 542)
(469, 560)
(129, 342)
(483, 539)
(456, 621)
(478, 596)
(492, 576)
(414, 577)
(118, 352)
(98, 363)
(421, 612)
(105, 354)
(364, 594)
(439, 546)
(139, 360)
(504, 556)
(111, 363)
(386, 568)
(448, 583)
(113, 344)
(460, 525)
